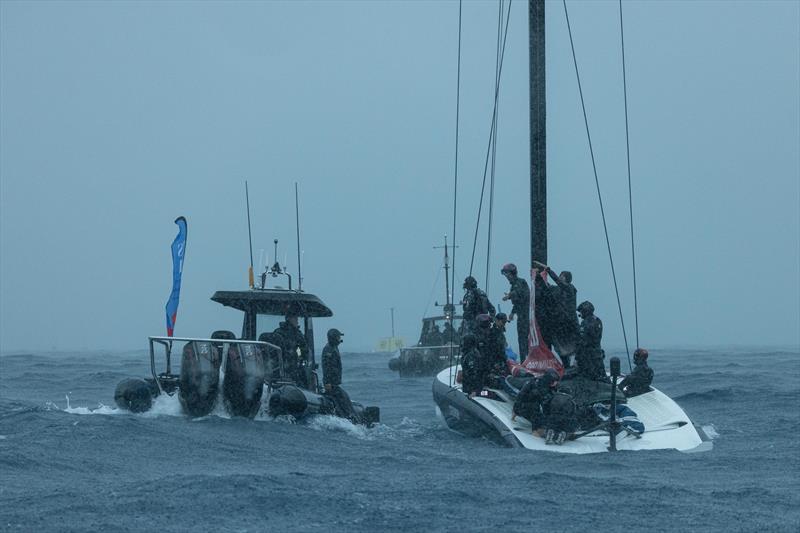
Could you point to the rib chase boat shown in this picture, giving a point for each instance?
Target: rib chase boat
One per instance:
(240, 374)
(648, 421)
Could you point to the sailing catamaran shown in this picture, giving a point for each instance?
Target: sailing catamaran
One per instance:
(489, 414)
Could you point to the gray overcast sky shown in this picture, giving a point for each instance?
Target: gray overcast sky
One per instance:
(116, 117)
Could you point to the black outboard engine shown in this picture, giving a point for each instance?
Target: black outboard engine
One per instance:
(243, 384)
(199, 378)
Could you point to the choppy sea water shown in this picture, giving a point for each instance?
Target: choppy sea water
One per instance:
(71, 461)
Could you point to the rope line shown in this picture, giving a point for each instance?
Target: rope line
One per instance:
(597, 184)
(489, 146)
(628, 155)
(494, 147)
(455, 178)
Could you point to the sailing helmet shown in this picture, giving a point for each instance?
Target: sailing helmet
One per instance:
(586, 308)
(640, 355)
(484, 320)
(509, 268)
(470, 283)
(334, 335)
(501, 316)
(567, 275)
(550, 378)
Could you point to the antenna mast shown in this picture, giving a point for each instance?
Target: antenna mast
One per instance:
(249, 236)
(297, 223)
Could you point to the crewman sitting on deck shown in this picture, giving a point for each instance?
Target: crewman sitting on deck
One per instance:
(638, 382)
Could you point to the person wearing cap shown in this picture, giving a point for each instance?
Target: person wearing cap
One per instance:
(295, 348)
(638, 382)
(473, 367)
(332, 375)
(520, 295)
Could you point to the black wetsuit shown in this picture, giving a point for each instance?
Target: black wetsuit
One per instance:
(531, 402)
(637, 382)
(295, 352)
(566, 328)
(496, 351)
(520, 296)
(547, 310)
(589, 354)
(473, 371)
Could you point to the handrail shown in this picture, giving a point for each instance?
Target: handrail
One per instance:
(165, 340)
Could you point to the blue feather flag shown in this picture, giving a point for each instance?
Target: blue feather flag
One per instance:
(178, 253)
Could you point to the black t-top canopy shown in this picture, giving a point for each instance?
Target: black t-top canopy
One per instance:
(273, 302)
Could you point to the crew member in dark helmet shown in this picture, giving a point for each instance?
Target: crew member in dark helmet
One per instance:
(589, 354)
(475, 303)
(566, 327)
(638, 382)
(533, 398)
(332, 375)
(295, 348)
(492, 345)
(520, 296)
(473, 368)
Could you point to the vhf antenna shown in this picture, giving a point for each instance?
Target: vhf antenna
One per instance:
(249, 235)
(297, 223)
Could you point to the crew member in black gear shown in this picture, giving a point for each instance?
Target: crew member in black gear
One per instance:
(546, 308)
(473, 368)
(332, 376)
(449, 334)
(475, 303)
(589, 354)
(520, 296)
(566, 327)
(638, 382)
(533, 398)
(295, 349)
(496, 348)
(435, 336)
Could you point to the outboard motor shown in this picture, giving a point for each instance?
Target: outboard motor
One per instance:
(243, 384)
(199, 378)
(135, 395)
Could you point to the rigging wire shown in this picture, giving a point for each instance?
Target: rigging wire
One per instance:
(433, 290)
(458, 108)
(628, 155)
(489, 147)
(597, 184)
(494, 146)
(455, 181)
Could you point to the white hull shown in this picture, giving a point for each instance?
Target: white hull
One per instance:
(666, 425)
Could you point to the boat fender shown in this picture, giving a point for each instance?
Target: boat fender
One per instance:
(394, 364)
(133, 395)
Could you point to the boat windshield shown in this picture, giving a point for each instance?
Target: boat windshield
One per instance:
(267, 323)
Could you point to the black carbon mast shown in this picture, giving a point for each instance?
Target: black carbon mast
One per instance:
(538, 132)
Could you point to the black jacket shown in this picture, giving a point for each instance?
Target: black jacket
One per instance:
(476, 303)
(331, 365)
(520, 296)
(638, 381)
